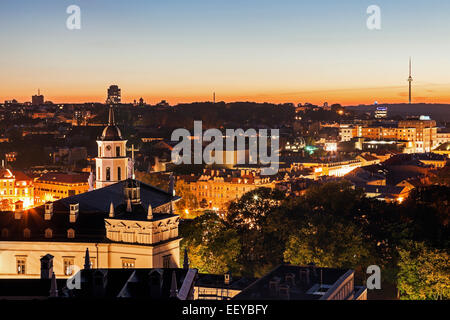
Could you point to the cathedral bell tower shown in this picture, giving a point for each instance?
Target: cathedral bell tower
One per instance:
(112, 161)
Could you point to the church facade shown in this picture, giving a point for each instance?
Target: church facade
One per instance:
(123, 223)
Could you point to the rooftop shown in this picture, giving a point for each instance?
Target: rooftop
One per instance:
(294, 283)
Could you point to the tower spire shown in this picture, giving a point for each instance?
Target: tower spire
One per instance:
(111, 120)
(186, 259)
(410, 80)
(87, 260)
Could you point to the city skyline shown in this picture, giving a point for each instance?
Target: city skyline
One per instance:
(264, 52)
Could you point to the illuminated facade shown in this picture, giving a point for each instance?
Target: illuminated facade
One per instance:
(15, 186)
(55, 186)
(421, 134)
(336, 169)
(216, 189)
(381, 112)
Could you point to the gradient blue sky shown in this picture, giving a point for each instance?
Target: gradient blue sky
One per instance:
(260, 50)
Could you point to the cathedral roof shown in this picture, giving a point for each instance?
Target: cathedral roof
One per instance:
(94, 208)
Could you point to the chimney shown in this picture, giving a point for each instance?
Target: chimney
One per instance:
(48, 210)
(111, 210)
(47, 266)
(74, 209)
(227, 278)
(150, 212)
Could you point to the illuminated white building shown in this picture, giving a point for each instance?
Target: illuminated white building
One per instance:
(112, 160)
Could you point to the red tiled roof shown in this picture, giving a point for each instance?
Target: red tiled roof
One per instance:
(18, 175)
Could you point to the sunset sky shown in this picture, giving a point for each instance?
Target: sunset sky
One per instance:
(257, 50)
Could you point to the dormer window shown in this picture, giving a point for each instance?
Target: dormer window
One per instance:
(48, 233)
(70, 233)
(26, 233)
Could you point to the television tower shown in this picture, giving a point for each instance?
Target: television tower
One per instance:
(410, 80)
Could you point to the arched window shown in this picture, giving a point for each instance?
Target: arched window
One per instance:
(108, 174)
(70, 233)
(48, 233)
(26, 233)
(5, 233)
(119, 173)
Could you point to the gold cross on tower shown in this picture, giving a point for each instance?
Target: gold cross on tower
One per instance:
(132, 158)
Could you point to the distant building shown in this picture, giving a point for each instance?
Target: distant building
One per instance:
(381, 113)
(442, 136)
(163, 103)
(113, 95)
(37, 100)
(216, 189)
(425, 133)
(55, 186)
(420, 133)
(15, 186)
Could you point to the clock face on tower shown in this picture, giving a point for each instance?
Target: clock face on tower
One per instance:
(108, 148)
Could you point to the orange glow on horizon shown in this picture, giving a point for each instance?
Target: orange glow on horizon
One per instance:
(354, 96)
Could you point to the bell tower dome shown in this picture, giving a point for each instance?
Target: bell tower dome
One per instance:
(112, 161)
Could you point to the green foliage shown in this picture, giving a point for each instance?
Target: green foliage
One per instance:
(212, 247)
(327, 243)
(424, 273)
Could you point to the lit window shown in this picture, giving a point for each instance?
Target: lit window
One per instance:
(68, 266)
(48, 233)
(128, 263)
(70, 233)
(21, 265)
